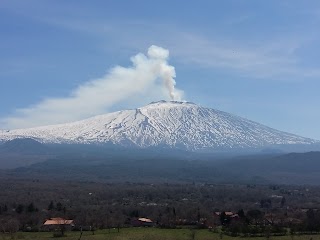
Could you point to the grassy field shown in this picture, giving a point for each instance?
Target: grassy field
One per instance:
(143, 234)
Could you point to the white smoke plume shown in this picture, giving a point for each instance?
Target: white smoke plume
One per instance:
(165, 71)
(96, 96)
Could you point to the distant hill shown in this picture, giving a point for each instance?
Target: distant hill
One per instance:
(22, 152)
(23, 146)
(130, 166)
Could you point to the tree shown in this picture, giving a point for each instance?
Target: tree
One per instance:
(265, 203)
(313, 220)
(135, 213)
(51, 206)
(9, 225)
(283, 202)
(20, 208)
(241, 214)
(59, 206)
(255, 215)
(31, 208)
(224, 219)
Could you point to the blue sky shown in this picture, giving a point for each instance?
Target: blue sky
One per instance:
(256, 59)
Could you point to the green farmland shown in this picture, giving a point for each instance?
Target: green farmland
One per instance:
(145, 234)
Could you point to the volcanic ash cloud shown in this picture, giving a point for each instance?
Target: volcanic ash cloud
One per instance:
(148, 76)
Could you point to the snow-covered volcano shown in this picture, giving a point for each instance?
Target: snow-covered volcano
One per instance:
(181, 125)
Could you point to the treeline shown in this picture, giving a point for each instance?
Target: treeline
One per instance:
(26, 204)
(258, 223)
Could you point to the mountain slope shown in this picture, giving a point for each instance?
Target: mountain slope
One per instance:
(145, 167)
(23, 146)
(180, 125)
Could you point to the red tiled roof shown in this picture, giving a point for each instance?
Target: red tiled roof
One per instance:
(147, 220)
(58, 221)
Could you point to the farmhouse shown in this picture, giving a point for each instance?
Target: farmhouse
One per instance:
(229, 217)
(55, 223)
(142, 222)
(228, 214)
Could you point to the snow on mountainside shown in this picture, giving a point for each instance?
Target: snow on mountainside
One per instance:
(172, 124)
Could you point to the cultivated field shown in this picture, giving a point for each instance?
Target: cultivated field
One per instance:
(146, 234)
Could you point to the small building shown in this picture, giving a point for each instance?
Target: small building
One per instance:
(142, 222)
(229, 215)
(58, 223)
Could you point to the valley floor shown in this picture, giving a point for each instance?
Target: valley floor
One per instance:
(145, 234)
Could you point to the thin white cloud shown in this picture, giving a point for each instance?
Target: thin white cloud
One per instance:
(276, 58)
(272, 58)
(96, 96)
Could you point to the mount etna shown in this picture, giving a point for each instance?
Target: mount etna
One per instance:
(175, 125)
(162, 141)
